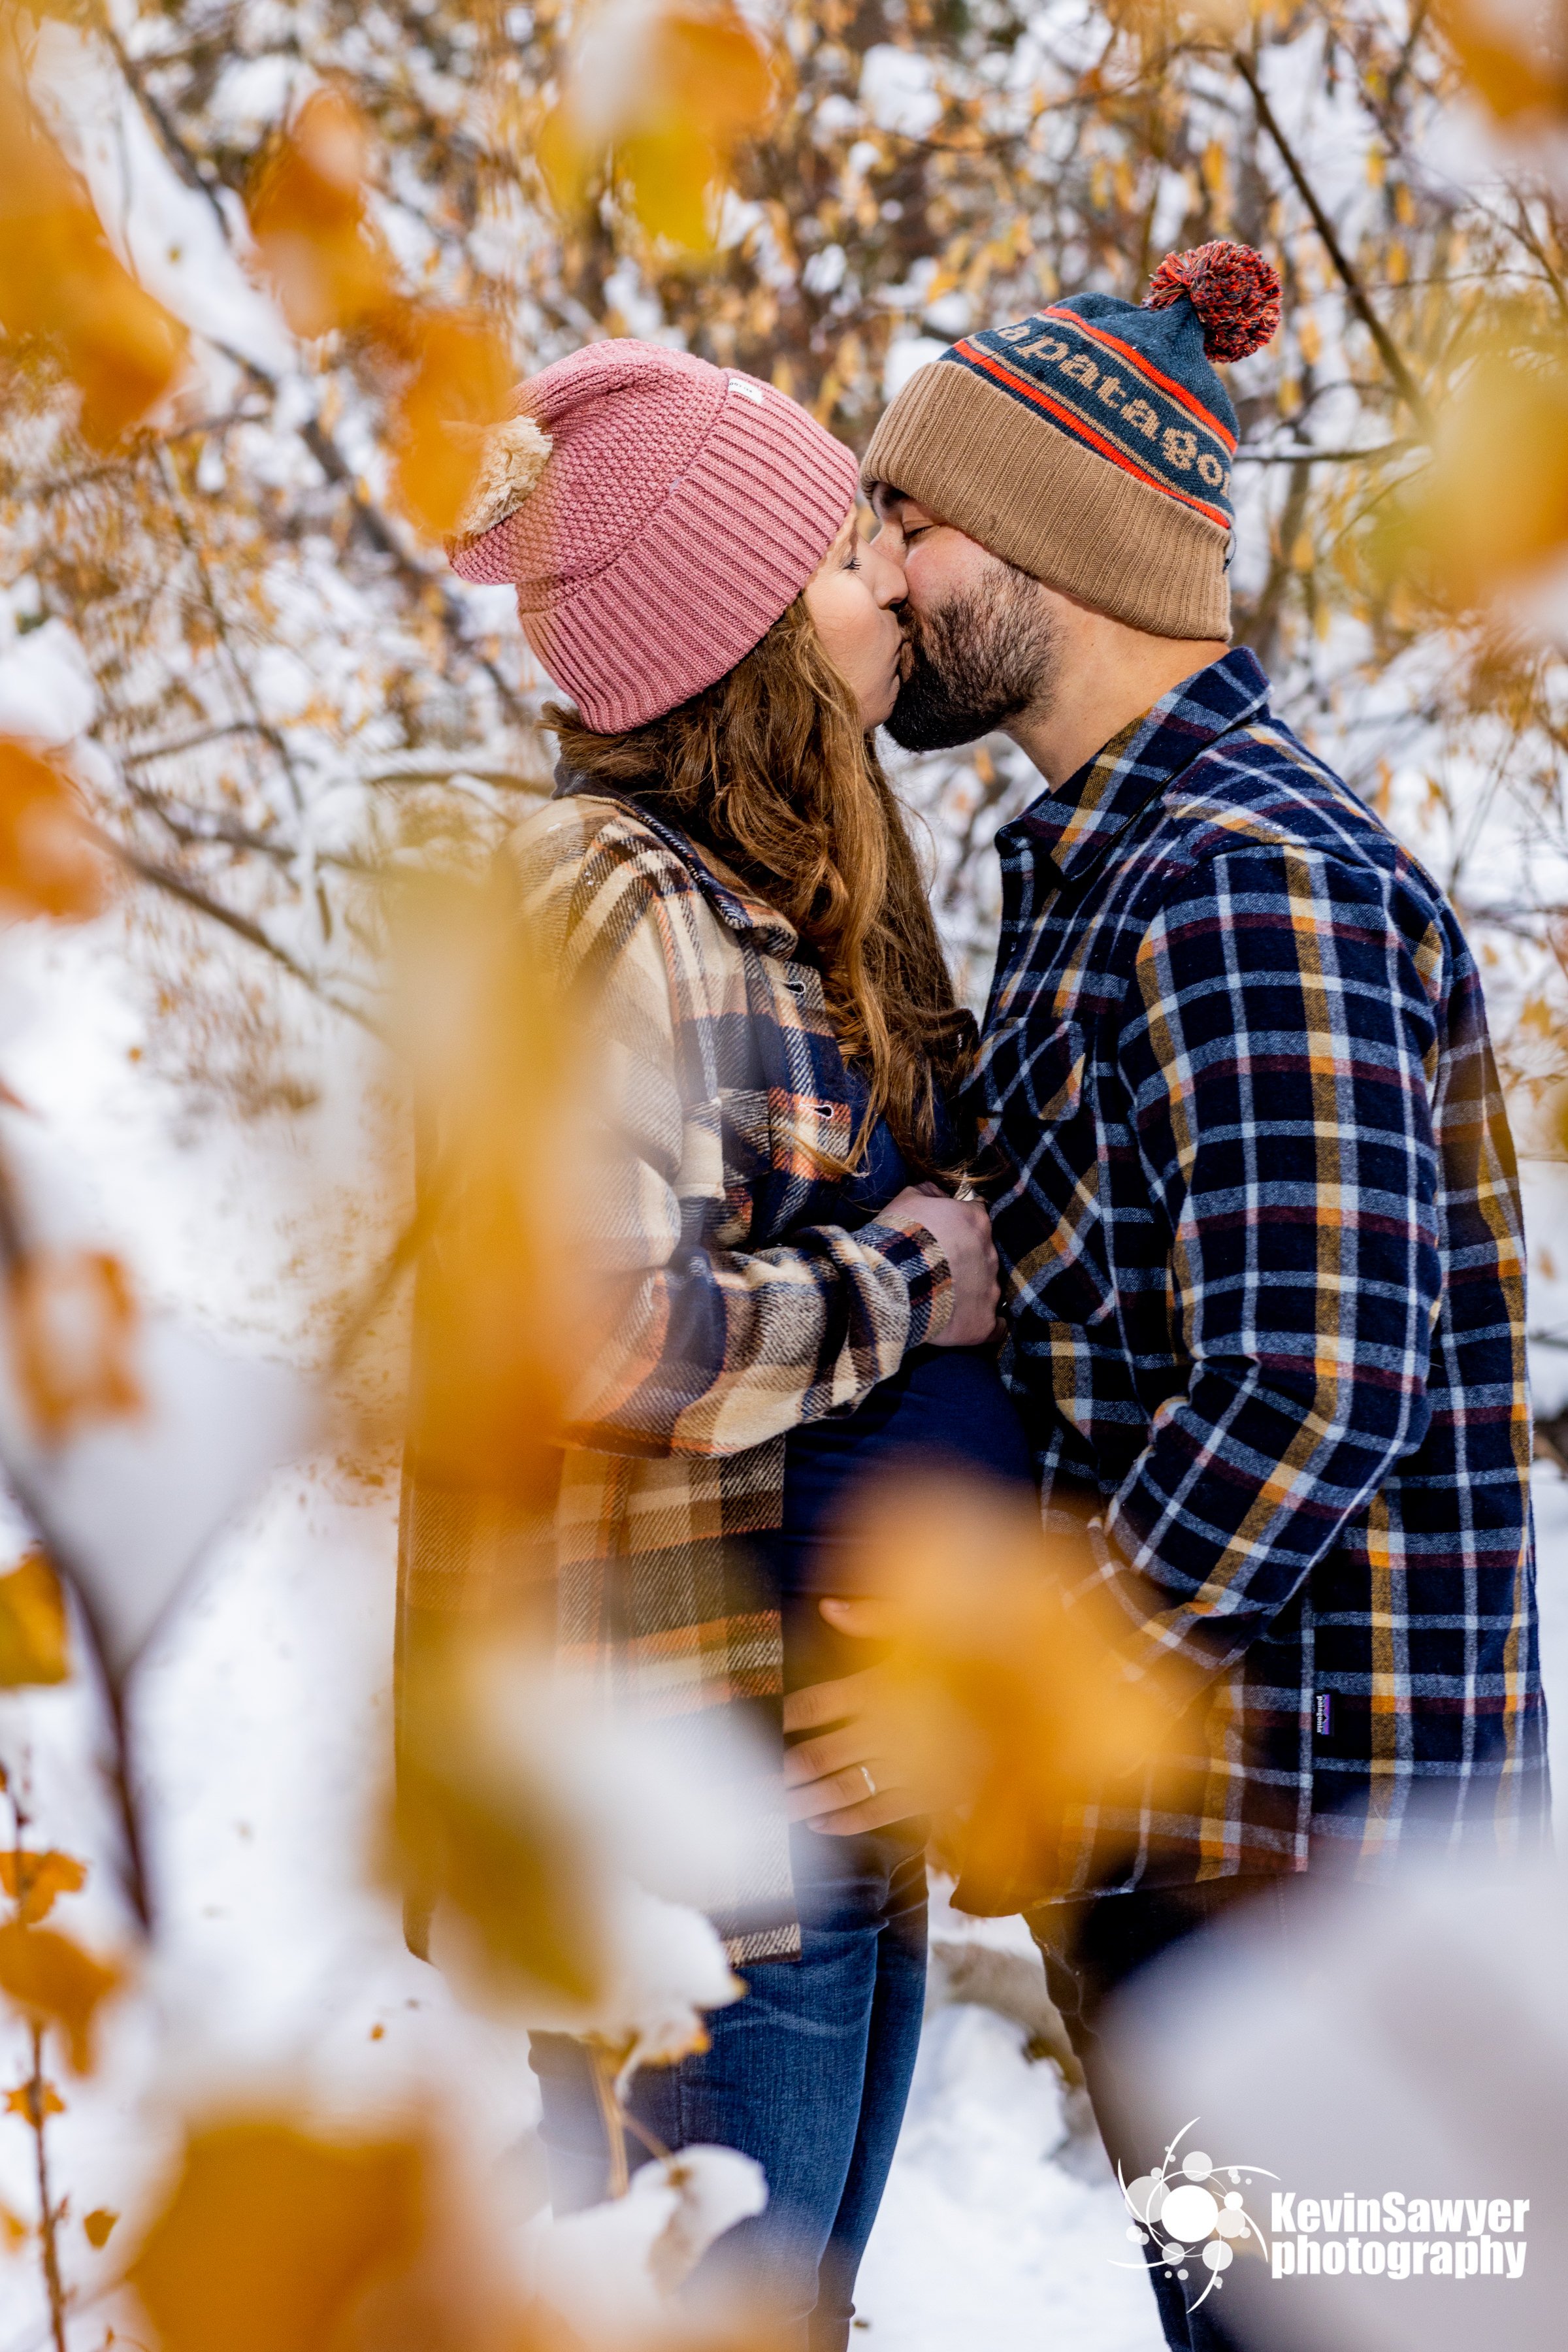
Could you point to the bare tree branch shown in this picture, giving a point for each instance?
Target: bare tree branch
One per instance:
(1388, 351)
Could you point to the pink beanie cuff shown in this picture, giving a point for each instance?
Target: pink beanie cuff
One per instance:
(681, 510)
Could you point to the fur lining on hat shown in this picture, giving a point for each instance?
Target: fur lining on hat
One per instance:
(512, 461)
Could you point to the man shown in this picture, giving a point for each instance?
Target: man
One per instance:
(1255, 1206)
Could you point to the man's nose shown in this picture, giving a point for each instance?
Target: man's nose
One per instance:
(891, 585)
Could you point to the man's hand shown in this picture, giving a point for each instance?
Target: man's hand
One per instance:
(837, 1782)
(963, 1228)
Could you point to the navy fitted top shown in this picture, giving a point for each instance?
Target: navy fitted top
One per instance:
(943, 1407)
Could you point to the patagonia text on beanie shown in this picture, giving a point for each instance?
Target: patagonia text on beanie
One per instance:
(1091, 444)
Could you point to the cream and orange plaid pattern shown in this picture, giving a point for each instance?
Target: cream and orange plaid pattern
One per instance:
(740, 1306)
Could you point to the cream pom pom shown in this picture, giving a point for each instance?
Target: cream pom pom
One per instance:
(513, 458)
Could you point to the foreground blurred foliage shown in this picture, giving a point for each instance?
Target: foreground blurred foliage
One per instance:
(270, 2236)
(668, 96)
(1006, 1699)
(61, 284)
(447, 372)
(33, 1640)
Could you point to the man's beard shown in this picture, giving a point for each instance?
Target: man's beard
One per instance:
(986, 656)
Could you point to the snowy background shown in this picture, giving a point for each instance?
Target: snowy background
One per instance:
(260, 1723)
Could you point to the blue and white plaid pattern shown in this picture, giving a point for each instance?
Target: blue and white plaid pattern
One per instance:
(1256, 1206)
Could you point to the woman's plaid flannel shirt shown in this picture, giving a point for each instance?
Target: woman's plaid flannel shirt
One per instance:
(739, 1315)
(1259, 1226)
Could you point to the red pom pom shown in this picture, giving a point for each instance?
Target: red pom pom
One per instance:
(1234, 291)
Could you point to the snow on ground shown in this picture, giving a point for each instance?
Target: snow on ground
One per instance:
(262, 1723)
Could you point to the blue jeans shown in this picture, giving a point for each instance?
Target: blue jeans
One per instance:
(809, 2073)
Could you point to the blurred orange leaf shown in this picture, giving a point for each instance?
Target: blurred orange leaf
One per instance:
(73, 1323)
(328, 264)
(33, 1647)
(671, 114)
(14, 2230)
(61, 282)
(48, 865)
(457, 385)
(1005, 1703)
(500, 1296)
(20, 2101)
(500, 1850)
(54, 1983)
(272, 2235)
(34, 1880)
(670, 172)
(332, 271)
(1515, 59)
(98, 2225)
(1493, 505)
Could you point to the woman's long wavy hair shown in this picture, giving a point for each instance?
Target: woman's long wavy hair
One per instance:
(770, 769)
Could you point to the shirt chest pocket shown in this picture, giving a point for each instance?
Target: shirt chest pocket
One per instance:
(1038, 1117)
(771, 1179)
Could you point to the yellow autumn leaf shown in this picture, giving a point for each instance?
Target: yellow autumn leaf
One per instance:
(496, 1848)
(32, 1643)
(1001, 1702)
(500, 1073)
(1510, 59)
(73, 1327)
(458, 377)
(48, 862)
(1492, 506)
(62, 284)
(54, 1983)
(33, 2101)
(669, 171)
(328, 264)
(34, 1880)
(697, 85)
(97, 2224)
(272, 2235)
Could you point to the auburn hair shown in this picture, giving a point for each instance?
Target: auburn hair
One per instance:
(772, 771)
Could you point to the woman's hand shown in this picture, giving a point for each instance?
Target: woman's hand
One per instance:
(963, 1228)
(837, 1782)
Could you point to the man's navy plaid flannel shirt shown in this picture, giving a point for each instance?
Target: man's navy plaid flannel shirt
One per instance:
(1260, 1225)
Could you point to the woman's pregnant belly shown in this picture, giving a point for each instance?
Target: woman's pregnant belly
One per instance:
(944, 1409)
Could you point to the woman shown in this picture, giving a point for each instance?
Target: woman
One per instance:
(800, 1298)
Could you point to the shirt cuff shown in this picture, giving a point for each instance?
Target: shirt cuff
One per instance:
(919, 1257)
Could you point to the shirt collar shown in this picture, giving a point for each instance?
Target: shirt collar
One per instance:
(753, 919)
(1077, 822)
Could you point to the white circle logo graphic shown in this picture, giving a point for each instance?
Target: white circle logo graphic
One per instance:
(1190, 2214)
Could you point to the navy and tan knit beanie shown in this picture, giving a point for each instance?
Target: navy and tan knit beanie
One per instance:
(1091, 445)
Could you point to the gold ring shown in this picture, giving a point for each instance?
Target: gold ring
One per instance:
(865, 1776)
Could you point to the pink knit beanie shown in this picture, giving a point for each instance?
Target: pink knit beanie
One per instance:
(657, 515)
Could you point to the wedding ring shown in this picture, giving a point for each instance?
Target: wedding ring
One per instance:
(865, 1776)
